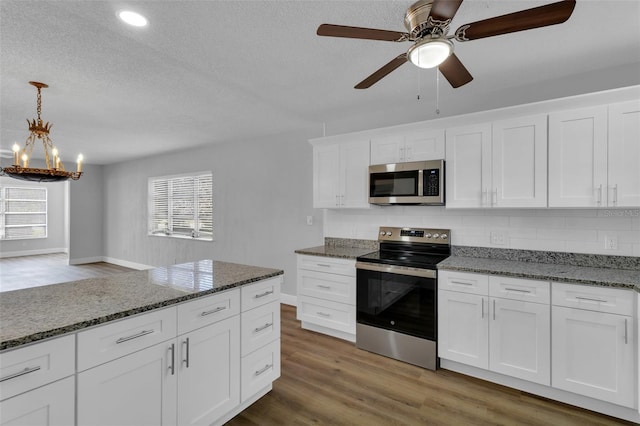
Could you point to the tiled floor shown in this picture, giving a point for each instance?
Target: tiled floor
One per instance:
(32, 271)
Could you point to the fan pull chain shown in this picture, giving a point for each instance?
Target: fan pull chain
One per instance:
(437, 91)
(419, 85)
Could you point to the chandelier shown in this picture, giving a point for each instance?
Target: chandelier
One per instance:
(54, 171)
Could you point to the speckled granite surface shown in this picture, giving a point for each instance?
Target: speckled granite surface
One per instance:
(547, 271)
(41, 312)
(344, 248)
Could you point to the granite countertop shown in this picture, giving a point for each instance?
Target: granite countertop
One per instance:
(597, 276)
(38, 313)
(343, 248)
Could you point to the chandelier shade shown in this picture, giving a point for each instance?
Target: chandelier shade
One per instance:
(39, 130)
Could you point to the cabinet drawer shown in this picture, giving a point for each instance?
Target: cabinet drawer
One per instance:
(207, 310)
(260, 326)
(338, 316)
(519, 289)
(260, 293)
(339, 288)
(331, 265)
(113, 340)
(27, 368)
(464, 282)
(259, 369)
(599, 299)
(53, 404)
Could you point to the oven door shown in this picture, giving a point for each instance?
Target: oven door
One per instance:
(397, 298)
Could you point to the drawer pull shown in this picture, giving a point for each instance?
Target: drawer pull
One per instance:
(186, 359)
(264, 327)
(494, 309)
(263, 369)
(626, 334)
(519, 290)
(326, 287)
(323, 314)
(460, 282)
(323, 265)
(482, 304)
(590, 299)
(172, 367)
(134, 336)
(266, 293)
(20, 373)
(213, 311)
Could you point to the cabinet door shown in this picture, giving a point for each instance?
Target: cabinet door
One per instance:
(140, 390)
(387, 149)
(463, 331)
(578, 158)
(593, 354)
(326, 175)
(51, 405)
(468, 155)
(425, 145)
(354, 174)
(519, 162)
(209, 372)
(624, 154)
(520, 340)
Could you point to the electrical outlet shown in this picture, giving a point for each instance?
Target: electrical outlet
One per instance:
(497, 238)
(309, 220)
(611, 242)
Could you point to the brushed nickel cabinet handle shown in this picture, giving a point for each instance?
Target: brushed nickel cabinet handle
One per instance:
(186, 359)
(266, 293)
(263, 369)
(626, 333)
(323, 314)
(213, 311)
(590, 299)
(134, 336)
(264, 327)
(494, 309)
(482, 303)
(517, 289)
(172, 367)
(460, 282)
(27, 370)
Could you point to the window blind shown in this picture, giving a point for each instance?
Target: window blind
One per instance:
(23, 213)
(181, 206)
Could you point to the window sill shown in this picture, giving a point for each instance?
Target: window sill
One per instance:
(181, 237)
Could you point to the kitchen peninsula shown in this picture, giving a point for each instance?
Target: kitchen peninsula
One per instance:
(194, 343)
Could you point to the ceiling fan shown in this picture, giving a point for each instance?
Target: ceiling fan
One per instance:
(427, 23)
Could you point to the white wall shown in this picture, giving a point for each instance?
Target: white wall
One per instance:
(86, 210)
(57, 231)
(571, 230)
(261, 194)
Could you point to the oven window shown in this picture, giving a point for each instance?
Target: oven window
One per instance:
(394, 184)
(401, 303)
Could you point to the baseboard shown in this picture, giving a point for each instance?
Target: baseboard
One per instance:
(84, 260)
(288, 299)
(32, 252)
(127, 264)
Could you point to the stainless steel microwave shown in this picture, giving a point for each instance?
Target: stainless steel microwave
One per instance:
(418, 183)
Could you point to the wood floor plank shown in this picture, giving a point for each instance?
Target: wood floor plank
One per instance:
(328, 381)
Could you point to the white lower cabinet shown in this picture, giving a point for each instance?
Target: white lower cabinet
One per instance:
(50, 405)
(505, 334)
(594, 351)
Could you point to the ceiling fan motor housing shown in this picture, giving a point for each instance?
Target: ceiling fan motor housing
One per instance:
(417, 20)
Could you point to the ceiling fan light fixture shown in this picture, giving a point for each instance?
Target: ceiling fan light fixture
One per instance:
(132, 18)
(430, 53)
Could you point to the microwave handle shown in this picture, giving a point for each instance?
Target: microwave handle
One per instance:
(420, 182)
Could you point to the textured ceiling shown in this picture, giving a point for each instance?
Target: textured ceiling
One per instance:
(226, 71)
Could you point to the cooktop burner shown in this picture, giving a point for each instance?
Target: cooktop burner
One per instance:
(413, 247)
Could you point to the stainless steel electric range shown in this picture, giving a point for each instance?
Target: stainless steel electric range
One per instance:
(396, 299)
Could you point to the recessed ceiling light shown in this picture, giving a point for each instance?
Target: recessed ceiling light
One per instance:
(133, 18)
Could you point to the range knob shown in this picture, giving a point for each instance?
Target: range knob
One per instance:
(427, 236)
(436, 235)
(382, 233)
(444, 236)
(389, 233)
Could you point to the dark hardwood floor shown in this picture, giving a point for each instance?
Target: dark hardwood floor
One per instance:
(327, 381)
(32, 271)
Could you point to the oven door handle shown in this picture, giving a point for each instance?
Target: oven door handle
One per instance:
(395, 269)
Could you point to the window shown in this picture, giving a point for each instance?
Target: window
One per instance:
(181, 206)
(23, 213)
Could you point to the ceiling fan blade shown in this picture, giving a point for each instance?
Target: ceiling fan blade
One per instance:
(542, 16)
(362, 33)
(455, 73)
(382, 72)
(442, 10)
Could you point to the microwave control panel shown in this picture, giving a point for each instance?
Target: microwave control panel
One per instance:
(432, 182)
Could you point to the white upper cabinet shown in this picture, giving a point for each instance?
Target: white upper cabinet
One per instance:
(578, 158)
(422, 145)
(519, 163)
(341, 174)
(500, 164)
(468, 156)
(624, 154)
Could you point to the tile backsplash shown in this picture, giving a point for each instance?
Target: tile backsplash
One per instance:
(597, 231)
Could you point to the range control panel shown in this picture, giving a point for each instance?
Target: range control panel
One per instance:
(415, 235)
